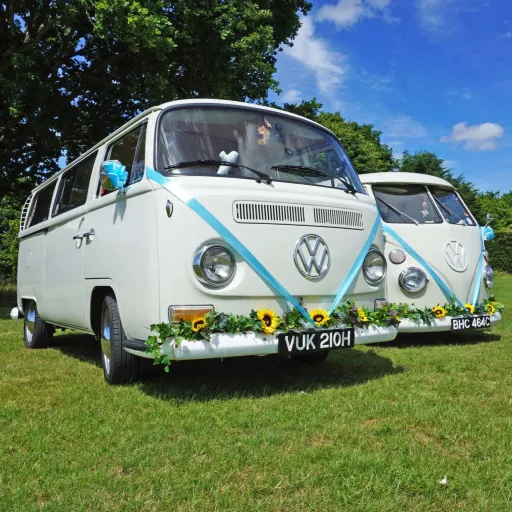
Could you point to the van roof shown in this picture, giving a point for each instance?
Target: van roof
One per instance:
(189, 102)
(402, 178)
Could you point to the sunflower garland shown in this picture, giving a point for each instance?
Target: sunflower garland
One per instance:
(266, 321)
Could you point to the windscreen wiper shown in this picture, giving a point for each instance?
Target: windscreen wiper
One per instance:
(396, 210)
(350, 188)
(301, 170)
(199, 163)
(448, 209)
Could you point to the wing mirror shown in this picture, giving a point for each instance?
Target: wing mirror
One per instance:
(113, 175)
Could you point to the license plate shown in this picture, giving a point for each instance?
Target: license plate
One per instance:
(472, 322)
(314, 341)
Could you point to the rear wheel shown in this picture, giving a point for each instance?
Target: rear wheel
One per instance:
(36, 332)
(118, 365)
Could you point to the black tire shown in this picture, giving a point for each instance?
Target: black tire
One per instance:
(118, 365)
(313, 358)
(36, 332)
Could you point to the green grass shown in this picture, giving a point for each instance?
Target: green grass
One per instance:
(374, 429)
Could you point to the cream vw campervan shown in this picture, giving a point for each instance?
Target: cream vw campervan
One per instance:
(435, 251)
(196, 213)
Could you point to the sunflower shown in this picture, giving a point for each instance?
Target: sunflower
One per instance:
(199, 323)
(439, 312)
(362, 315)
(320, 316)
(268, 320)
(469, 308)
(490, 308)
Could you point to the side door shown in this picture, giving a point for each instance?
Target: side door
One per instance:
(64, 289)
(123, 253)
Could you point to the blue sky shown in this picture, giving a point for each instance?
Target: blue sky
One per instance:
(433, 75)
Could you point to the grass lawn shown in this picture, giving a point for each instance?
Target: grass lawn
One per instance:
(374, 429)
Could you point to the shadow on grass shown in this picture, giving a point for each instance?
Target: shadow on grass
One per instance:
(79, 346)
(442, 338)
(243, 376)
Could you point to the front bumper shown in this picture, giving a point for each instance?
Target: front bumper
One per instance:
(251, 344)
(438, 325)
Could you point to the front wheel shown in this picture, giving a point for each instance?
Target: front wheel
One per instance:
(118, 365)
(36, 332)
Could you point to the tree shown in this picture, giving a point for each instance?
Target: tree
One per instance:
(71, 71)
(499, 206)
(10, 207)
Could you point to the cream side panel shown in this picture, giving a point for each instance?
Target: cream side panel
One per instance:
(31, 267)
(124, 251)
(62, 298)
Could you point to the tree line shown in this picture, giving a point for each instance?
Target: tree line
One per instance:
(72, 71)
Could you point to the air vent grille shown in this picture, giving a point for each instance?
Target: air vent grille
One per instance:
(24, 213)
(339, 218)
(268, 213)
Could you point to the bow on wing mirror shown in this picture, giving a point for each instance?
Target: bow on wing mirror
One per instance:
(113, 175)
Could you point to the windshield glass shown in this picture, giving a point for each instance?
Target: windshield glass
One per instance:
(451, 207)
(405, 204)
(257, 139)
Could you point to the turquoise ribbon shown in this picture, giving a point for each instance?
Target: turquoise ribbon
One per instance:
(444, 288)
(478, 280)
(255, 264)
(356, 266)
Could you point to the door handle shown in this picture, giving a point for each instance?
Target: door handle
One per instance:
(78, 237)
(89, 234)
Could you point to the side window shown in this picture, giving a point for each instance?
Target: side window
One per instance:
(74, 185)
(130, 151)
(41, 205)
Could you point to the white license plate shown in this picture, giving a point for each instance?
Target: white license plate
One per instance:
(471, 322)
(315, 341)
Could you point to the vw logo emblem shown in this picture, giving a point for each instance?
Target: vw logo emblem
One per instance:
(312, 257)
(456, 256)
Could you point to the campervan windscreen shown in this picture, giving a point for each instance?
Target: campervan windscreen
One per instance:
(248, 140)
(451, 207)
(405, 204)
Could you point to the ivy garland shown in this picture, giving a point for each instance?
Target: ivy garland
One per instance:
(265, 321)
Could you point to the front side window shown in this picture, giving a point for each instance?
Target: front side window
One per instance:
(451, 207)
(130, 151)
(251, 142)
(405, 204)
(41, 203)
(74, 185)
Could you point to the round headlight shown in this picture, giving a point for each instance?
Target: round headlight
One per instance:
(374, 267)
(412, 280)
(214, 265)
(397, 256)
(489, 276)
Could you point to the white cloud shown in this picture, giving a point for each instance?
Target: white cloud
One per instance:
(451, 164)
(328, 67)
(292, 96)
(478, 137)
(347, 13)
(403, 126)
(506, 35)
(465, 94)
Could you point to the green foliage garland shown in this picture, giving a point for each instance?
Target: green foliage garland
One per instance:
(347, 313)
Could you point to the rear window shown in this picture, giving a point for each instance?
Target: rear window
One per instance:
(41, 203)
(74, 185)
(405, 204)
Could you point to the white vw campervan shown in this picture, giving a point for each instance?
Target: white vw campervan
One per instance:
(435, 250)
(195, 214)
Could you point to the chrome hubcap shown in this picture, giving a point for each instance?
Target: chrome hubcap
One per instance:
(30, 323)
(106, 347)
